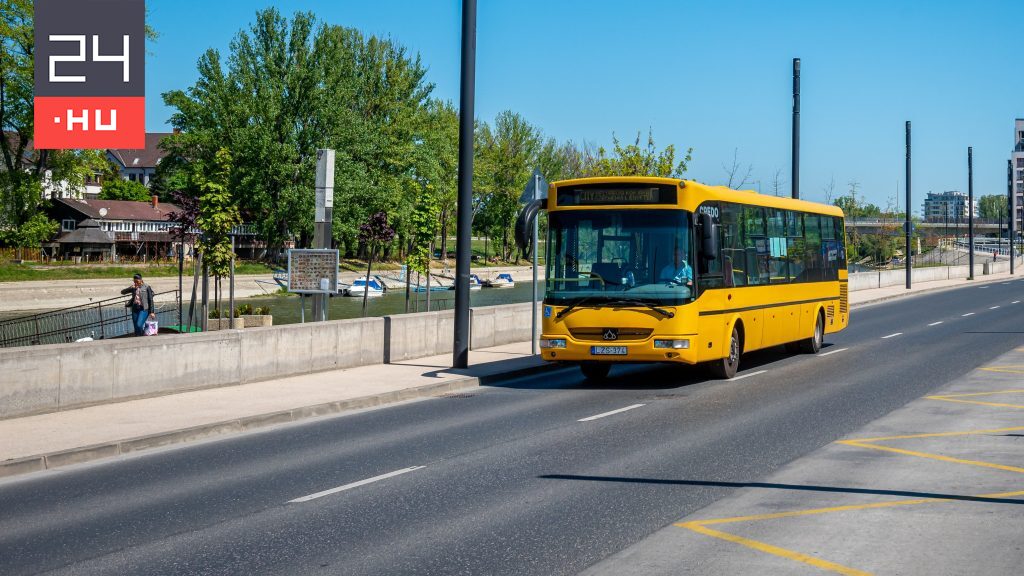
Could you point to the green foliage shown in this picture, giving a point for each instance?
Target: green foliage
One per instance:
(218, 213)
(262, 311)
(120, 189)
(288, 88)
(634, 160)
(23, 171)
(993, 207)
(30, 234)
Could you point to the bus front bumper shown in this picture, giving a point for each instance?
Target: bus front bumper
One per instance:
(676, 349)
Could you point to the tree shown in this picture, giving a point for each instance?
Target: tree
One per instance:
(375, 232)
(734, 170)
(31, 234)
(507, 156)
(634, 160)
(25, 170)
(121, 189)
(992, 207)
(290, 87)
(777, 183)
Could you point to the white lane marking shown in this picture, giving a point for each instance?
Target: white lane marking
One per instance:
(1015, 302)
(968, 314)
(833, 351)
(355, 484)
(892, 335)
(936, 323)
(747, 375)
(982, 287)
(1004, 283)
(993, 307)
(596, 416)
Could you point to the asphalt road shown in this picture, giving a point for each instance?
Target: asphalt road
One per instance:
(502, 480)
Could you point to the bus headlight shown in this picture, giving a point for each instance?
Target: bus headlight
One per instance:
(552, 342)
(674, 344)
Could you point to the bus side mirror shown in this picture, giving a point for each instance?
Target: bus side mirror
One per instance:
(708, 237)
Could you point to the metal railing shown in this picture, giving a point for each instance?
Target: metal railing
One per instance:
(104, 319)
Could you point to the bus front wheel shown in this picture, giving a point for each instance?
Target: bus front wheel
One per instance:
(595, 371)
(726, 367)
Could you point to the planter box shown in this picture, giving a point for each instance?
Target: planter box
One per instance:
(257, 320)
(214, 324)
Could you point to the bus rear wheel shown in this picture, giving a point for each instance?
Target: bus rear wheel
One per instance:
(726, 367)
(595, 371)
(813, 344)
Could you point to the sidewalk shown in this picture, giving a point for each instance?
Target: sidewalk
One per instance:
(45, 441)
(57, 439)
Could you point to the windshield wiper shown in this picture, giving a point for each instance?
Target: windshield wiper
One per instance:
(662, 311)
(619, 301)
(565, 311)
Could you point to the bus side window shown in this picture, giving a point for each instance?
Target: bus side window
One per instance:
(733, 259)
(755, 245)
(813, 262)
(841, 239)
(778, 257)
(795, 246)
(710, 270)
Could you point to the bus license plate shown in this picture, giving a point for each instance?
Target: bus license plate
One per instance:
(608, 350)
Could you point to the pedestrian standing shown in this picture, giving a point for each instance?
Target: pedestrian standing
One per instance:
(141, 303)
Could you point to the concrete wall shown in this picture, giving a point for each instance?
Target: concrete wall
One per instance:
(41, 379)
(497, 325)
(408, 336)
(898, 277)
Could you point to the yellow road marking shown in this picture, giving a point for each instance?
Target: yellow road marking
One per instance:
(944, 396)
(811, 512)
(701, 526)
(1005, 369)
(932, 435)
(939, 457)
(775, 550)
(979, 402)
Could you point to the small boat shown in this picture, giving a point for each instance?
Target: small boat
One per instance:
(474, 282)
(358, 287)
(433, 288)
(504, 280)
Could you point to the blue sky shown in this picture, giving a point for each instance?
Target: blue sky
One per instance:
(714, 75)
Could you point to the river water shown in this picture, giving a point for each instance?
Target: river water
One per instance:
(285, 309)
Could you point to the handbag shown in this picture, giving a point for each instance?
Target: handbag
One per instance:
(152, 327)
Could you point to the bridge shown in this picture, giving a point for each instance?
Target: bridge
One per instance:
(893, 227)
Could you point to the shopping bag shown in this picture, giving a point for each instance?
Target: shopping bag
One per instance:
(152, 327)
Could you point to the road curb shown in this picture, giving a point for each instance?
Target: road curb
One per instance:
(29, 464)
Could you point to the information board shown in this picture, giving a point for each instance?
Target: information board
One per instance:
(308, 267)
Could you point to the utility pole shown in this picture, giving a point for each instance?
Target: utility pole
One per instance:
(907, 224)
(970, 211)
(796, 129)
(464, 222)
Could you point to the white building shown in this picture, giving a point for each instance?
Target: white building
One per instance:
(948, 206)
(1017, 165)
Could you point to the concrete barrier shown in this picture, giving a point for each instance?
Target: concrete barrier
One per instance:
(40, 379)
(863, 281)
(497, 325)
(408, 336)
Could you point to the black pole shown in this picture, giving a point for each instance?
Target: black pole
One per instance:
(970, 210)
(908, 223)
(464, 223)
(1010, 208)
(796, 128)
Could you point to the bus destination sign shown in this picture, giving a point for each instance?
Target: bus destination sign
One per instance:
(604, 195)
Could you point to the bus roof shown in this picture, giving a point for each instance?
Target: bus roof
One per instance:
(707, 192)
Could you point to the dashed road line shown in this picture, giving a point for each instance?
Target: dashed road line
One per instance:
(936, 323)
(833, 352)
(355, 484)
(602, 415)
(1015, 302)
(892, 335)
(968, 314)
(993, 307)
(748, 375)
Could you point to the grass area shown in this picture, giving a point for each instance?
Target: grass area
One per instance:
(27, 272)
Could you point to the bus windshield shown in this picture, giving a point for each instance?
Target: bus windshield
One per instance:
(619, 255)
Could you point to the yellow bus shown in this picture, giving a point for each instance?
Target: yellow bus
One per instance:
(664, 270)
